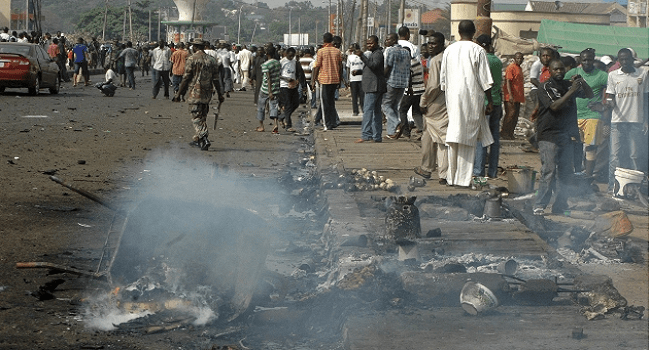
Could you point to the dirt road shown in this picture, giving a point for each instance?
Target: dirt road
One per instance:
(105, 146)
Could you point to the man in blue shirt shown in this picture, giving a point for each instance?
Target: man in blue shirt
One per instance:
(80, 61)
(397, 70)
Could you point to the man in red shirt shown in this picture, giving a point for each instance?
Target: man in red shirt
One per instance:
(178, 66)
(513, 96)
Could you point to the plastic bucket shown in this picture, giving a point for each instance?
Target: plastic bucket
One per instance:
(624, 177)
(476, 298)
(521, 180)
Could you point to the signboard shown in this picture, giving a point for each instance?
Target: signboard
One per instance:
(411, 18)
(334, 24)
(371, 21)
(296, 39)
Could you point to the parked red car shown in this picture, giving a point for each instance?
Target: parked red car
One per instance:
(28, 66)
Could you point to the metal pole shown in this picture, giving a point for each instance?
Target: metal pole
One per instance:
(104, 26)
(27, 15)
(252, 36)
(364, 19)
(239, 25)
(402, 5)
(124, 26)
(338, 18)
(290, 9)
(149, 25)
(130, 22)
(299, 33)
(350, 33)
(329, 17)
(388, 17)
(159, 20)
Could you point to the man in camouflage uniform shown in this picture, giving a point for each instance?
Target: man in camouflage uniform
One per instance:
(201, 77)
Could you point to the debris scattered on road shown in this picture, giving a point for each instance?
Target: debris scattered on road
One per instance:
(402, 218)
(45, 292)
(81, 161)
(83, 225)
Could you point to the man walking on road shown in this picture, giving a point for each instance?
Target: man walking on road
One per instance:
(130, 62)
(80, 52)
(291, 75)
(557, 132)
(328, 72)
(160, 68)
(201, 78)
(397, 70)
(178, 59)
(465, 77)
(436, 120)
(374, 86)
(269, 89)
(245, 60)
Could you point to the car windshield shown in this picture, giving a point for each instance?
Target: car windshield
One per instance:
(17, 49)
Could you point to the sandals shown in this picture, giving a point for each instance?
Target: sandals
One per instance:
(259, 129)
(425, 174)
(275, 130)
(291, 130)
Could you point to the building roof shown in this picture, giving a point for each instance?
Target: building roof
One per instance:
(432, 16)
(574, 7)
(508, 7)
(606, 40)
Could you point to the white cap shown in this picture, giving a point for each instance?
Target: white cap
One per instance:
(606, 60)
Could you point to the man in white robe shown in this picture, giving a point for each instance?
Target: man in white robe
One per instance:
(465, 77)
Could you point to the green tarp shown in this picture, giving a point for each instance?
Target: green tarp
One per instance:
(607, 40)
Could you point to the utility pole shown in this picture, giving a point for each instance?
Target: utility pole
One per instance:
(402, 5)
(130, 22)
(159, 20)
(239, 25)
(299, 33)
(337, 30)
(329, 17)
(388, 17)
(149, 25)
(352, 36)
(364, 19)
(27, 16)
(124, 26)
(105, 16)
(290, 41)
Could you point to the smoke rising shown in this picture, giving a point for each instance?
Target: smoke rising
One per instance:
(195, 243)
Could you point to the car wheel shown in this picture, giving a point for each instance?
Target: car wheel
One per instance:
(55, 89)
(37, 86)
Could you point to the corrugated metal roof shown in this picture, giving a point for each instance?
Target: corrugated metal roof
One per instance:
(606, 40)
(574, 7)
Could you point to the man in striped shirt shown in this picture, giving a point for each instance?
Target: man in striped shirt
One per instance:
(411, 100)
(269, 89)
(328, 72)
(397, 70)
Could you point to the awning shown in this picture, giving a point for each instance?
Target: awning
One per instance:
(606, 40)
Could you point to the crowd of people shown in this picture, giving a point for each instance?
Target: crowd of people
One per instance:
(590, 116)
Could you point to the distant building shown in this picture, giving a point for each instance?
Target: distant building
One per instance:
(617, 13)
(5, 13)
(637, 13)
(525, 23)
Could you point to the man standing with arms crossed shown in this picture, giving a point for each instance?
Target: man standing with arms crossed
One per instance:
(201, 78)
(466, 80)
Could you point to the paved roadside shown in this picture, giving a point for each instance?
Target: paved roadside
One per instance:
(356, 213)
